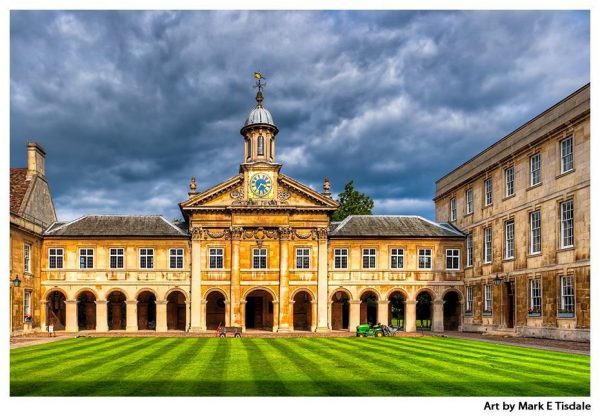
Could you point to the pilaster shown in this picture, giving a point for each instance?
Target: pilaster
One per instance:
(101, 316)
(161, 316)
(71, 316)
(322, 324)
(43, 315)
(132, 318)
(196, 292)
(382, 311)
(410, 315)
(438, 316)
(354, 320)
(236, 317)
(284, 310)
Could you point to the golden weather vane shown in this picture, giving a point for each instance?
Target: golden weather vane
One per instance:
(259, 81)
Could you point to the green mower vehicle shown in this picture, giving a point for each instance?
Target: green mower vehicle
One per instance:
(366, 330)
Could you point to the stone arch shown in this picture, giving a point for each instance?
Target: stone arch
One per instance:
(56, 308)
(396, 289)
(115, 289)
(369, 289)
(86, 289)
(258, 288)
(452, 310)
(86, 309)
(452, 289)
(175, 289)
(396, 308)
(215, 289)
(302, 309)
(216, 308)
(116, 309)
(176, 309)
(425, 298)
(369, 299)
(430, 291)
(145, 289)
(146, 309)
(340, 289)
(259, 308)
(300, 289)
(56, 289)
(340, 309)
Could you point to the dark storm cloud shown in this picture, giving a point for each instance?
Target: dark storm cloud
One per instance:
(129, 105)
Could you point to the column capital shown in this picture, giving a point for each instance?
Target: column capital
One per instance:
(44, 302)
(410, 302)
(236, 233)
(383, 302)
(101, 302)
(243, 302)
(71, 302)
(355, 302)
(314, 302)
(275, 302)
(439, 302)
(161, 302)
(291, 302)
(322, 233)
(285, 233)
(188, 302)
(131, 302)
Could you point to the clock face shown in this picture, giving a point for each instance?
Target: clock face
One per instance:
(261, 184)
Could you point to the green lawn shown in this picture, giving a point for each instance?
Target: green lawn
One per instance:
(428, 366)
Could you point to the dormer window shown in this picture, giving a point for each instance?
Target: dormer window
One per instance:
(260, 148)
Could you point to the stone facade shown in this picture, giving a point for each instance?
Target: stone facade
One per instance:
(259, 251)
(31, 212)
(549, 161)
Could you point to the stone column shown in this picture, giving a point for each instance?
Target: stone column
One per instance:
(438, 316)
(101, 316)
(382, 311)
(291, 314)
(275, 315)
(203, 314)
(132, 325)
(71, 318)
(354, 320)
(161, 316)
(285, 322)
(322, 300)
(196, 291)
(410, 316)
(313, 316)
(188, 305)
(227, 313)
(243, 315)
(43, 317)
(236, 318)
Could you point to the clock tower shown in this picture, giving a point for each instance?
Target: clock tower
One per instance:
(259, 168)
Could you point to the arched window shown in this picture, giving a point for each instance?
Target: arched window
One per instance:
(249, 150)
(260, 150)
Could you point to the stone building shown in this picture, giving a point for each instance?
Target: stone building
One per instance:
(524, 204)
(31, 212)
(259, 250)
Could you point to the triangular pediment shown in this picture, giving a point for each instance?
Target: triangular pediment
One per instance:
(232, 194)
(218, 195)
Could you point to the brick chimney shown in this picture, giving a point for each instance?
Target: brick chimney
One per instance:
(36, 160)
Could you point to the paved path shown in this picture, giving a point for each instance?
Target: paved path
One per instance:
(27, 341)
(545, 344)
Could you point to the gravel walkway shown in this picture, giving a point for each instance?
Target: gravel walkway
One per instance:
(546, 344)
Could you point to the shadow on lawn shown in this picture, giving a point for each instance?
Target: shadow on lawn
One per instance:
(288, 388)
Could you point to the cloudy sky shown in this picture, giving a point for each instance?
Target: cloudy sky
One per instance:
(130, 105)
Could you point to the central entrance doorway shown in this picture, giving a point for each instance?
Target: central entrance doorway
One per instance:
(259, 310)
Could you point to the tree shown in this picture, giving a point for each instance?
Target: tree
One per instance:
(352, 202)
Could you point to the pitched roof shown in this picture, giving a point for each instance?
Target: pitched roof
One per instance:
(117, 226)
(392, 226)
(18, 188)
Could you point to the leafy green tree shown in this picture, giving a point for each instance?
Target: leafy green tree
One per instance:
(352, 202)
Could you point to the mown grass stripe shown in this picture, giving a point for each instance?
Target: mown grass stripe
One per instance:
(34, 352)
(431, 366)
(267, 379)
(322, 383)
(372, 377)
(533, 362)
(62, 359)
(98, 364)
